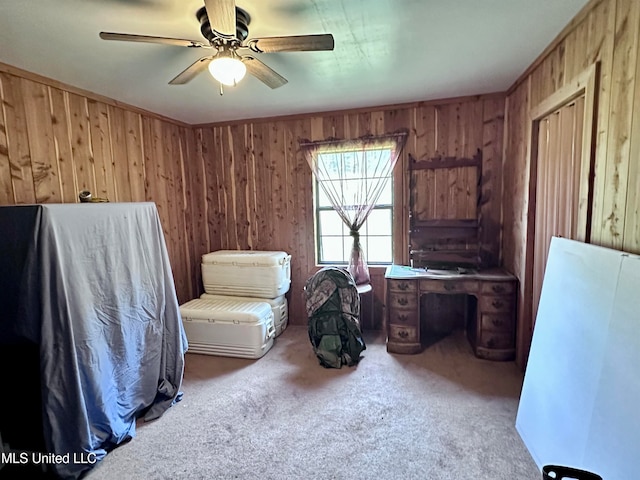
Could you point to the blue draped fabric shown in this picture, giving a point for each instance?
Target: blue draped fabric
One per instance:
(96, 294)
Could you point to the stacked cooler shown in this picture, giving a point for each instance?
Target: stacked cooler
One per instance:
(244, 305)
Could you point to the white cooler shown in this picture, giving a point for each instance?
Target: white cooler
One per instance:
(279, 307)
(246, 273)
(231, 328)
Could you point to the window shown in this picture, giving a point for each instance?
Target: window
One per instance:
(353, 183)
(353, 175)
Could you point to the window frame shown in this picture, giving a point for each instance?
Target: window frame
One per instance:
(390, 207)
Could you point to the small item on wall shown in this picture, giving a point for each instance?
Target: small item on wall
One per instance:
(86, 197)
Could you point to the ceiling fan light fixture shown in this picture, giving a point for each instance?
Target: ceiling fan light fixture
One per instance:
(227, 69)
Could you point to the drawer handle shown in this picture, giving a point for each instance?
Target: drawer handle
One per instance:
(497, 304)
(402, 301)
(449, 287)
(497, 323)
(403, 333)
(403, 318)
(498, 288)
(403, 286)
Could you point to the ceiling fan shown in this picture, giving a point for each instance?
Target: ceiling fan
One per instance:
(225, 27)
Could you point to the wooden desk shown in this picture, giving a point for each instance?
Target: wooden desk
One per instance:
(490, 324)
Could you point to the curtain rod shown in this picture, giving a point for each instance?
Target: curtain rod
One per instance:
(307, 143)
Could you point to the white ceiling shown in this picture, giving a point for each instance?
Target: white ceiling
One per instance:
(386, 51)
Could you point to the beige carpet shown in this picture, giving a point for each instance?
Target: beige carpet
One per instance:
(442, 414)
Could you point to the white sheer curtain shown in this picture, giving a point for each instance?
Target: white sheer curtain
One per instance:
(353, 174)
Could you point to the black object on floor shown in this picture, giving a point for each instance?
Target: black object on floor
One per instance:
(557, 472)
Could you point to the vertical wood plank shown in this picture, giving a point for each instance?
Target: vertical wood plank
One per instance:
(252, 188)
(395, 120)
(6, 188)
(62, 141)
(564, 195)
(101, 147)
(441, 186)
(304, 255)
(455, 202)
(618, 146)
(175, 197)
(473, 140)
(365, 123)
(135, 156)
(118, 148)
(185, 228)
(600, 48)
(40, 133)
(196, 204)
(541, 154)
(219, 154)
(211, 161)
(81, 142)
(579, 175)
(240, 138)
(491, 188)
(152, 138)
(377, 123)
(425, 147)
(291, 187)
(631, 236)
(571, 64)
(17, 140)
(278, 185)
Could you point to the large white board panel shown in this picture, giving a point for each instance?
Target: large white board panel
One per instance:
(580, 401)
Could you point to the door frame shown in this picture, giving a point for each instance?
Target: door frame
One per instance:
(585, 83)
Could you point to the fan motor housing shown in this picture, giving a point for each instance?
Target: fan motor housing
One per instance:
(242, 24)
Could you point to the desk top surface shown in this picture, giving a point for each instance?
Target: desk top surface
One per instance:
(403, 272)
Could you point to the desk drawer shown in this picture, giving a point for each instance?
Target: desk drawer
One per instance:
(489, 303)
(500, 322)
(498, 340)
(448, 286)
(403, 334)
(402, 285)
(400, 316)
(498, 288)
(403, 300)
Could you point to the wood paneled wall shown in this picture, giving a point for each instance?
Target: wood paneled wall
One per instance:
(57, 141)
(256, 190)
(242, 185)
(605, 32)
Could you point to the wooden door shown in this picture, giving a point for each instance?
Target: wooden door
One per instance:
(559, 175)
(562, 155)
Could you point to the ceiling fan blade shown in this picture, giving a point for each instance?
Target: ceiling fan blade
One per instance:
(192, 70)
(263, 73)
(222, 17)
(126, 37)
(293, 43)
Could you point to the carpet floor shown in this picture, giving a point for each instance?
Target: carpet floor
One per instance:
(441, 414)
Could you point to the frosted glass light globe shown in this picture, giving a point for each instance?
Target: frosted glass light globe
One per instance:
(227, 70)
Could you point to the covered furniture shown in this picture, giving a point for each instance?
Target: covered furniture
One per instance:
(87, 300)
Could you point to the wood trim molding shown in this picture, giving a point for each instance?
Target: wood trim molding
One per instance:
(584, 83)
(365, 109)
(445, 162)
